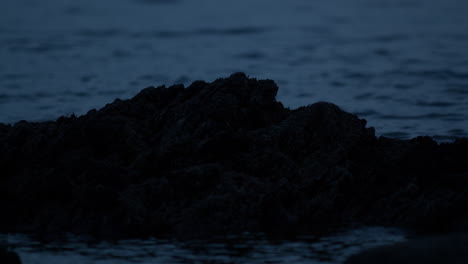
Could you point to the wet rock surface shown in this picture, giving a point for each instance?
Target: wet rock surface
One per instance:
(223, 157)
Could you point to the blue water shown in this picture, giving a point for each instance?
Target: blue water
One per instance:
(401, 64)
(247, 248)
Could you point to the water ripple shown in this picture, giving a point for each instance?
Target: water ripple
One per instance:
(435, 104)
(247, 248)
(100, 33)
(449, 116)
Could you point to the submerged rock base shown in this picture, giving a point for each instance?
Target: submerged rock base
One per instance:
(223, 157)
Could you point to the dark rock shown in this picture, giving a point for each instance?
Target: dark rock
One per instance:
(8, 257)
(223, 157)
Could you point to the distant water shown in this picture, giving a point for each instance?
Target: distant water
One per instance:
(247, 248)
(401, 64)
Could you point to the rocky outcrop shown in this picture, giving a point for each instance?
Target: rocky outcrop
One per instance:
(223, 157)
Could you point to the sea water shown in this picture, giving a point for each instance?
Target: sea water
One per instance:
(246, 248)
(402, 65)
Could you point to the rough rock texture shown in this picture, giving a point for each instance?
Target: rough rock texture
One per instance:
(223, 157)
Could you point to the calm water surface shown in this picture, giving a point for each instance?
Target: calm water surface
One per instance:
(244, 249)
(403, 65)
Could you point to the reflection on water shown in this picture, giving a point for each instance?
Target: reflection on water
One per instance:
(248, 248)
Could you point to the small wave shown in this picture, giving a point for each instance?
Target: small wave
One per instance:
(252, 55)
(87, 78)
(450, 116)
(366, 113)
(236, 31)
(304, 95)
(337, 84)
(358, 75)
(406, 86)
(99, 33)
(435, 104)
(457, 132)
(457, 89)
(4, 97)
(443, 74)
(8, 98)
(42, 47)
(17, 41)
(390, 38)
(170, 34)
(413, 61)
(157, 1)
(363, 96)
(111, 92)
(239, 31)
(383, 52)
(77, 94)
(385, 98)
(153, 77)
(119, 53)
(15, 76)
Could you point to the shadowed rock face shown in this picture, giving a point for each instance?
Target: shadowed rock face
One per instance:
(223, 157)
(8, 257)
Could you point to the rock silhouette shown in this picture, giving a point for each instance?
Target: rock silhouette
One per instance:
(223, 157)
(8, 257)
